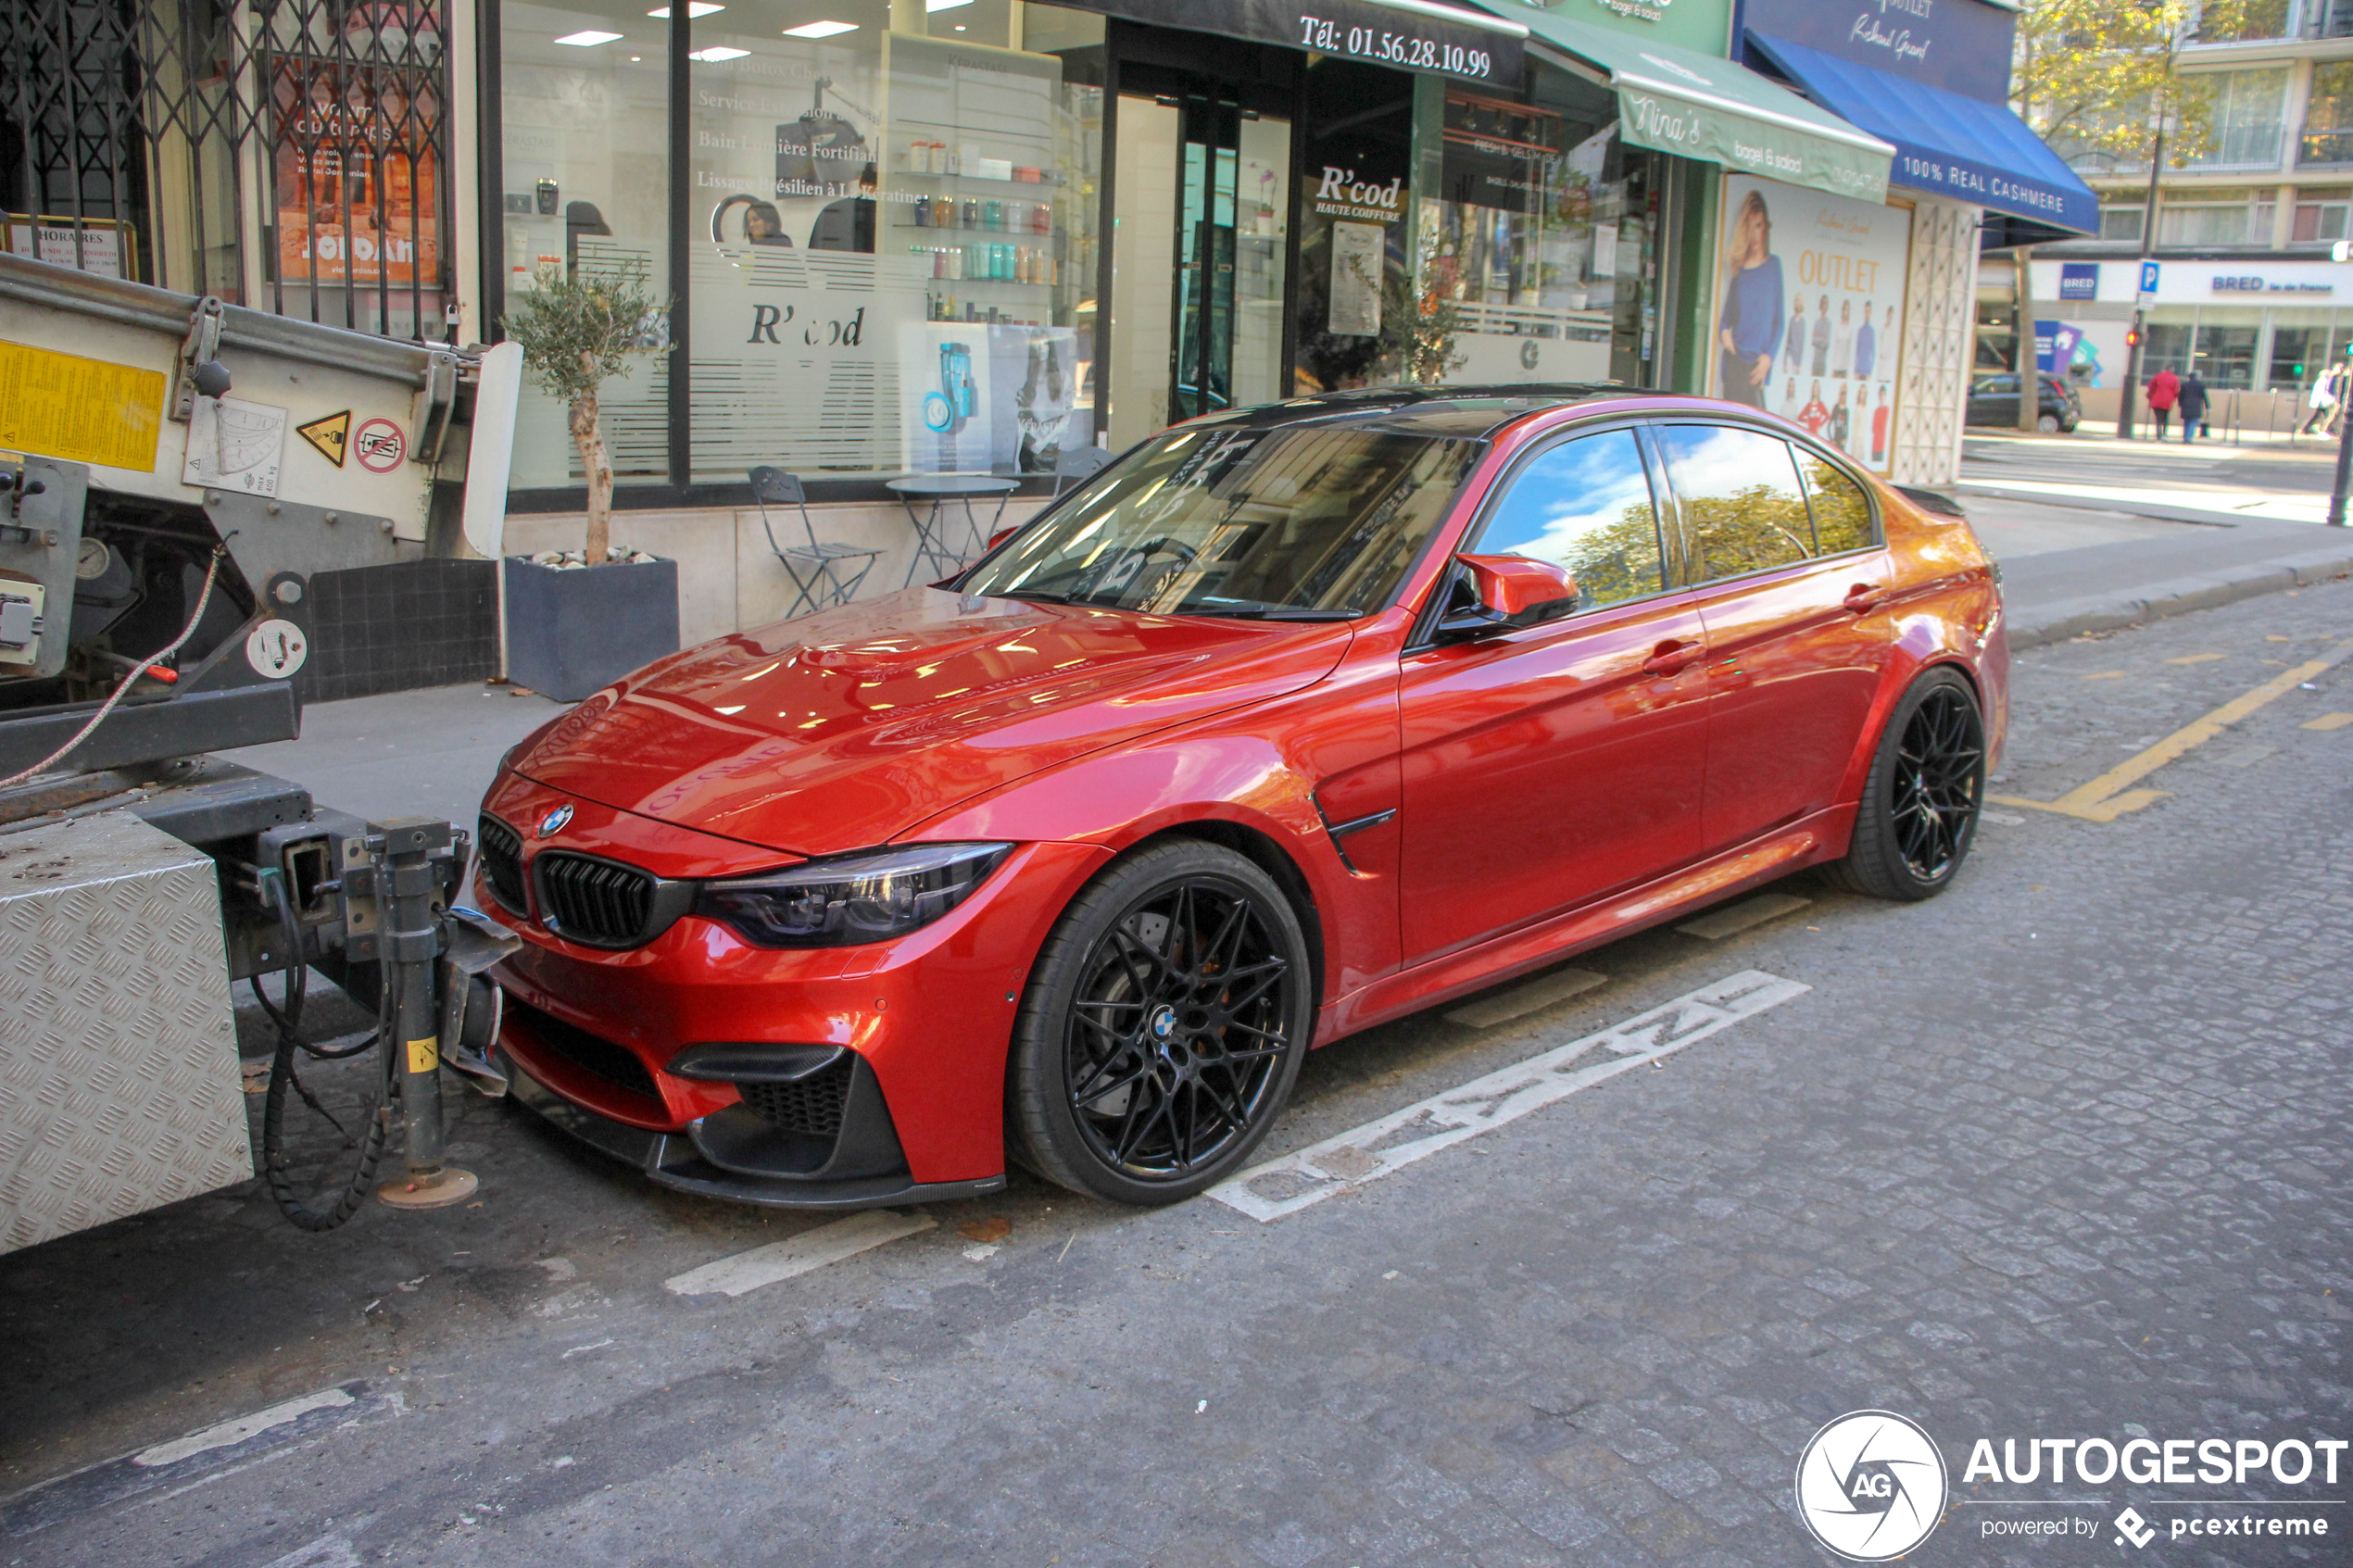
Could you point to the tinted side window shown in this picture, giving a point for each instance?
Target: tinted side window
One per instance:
(1841, 512)
(1743, 510)
(1586, 504)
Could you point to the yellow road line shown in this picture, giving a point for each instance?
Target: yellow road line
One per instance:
(2107, 798)
(2328, 721)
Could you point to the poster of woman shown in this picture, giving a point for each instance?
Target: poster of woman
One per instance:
(1750, 326)
(1811, 314)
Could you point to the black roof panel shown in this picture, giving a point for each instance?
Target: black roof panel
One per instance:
(1426, 410)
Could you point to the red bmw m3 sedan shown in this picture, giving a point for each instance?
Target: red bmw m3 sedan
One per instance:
(1291, 720)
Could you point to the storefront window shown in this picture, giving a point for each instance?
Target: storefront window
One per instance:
(2224, 353)
(1356, 146)
(1540, 236)
(2166, 348)
(892, 242)
(586, 155)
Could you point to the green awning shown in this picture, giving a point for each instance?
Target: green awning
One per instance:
(1695, 106)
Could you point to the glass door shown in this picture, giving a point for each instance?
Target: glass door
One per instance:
(1232, 207)
(1201, 199)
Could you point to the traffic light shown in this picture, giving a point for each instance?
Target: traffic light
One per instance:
(2132, 337)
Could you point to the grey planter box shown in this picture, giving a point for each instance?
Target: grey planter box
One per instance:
(570, 633)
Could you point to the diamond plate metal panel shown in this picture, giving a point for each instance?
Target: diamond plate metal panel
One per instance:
(119, 1085)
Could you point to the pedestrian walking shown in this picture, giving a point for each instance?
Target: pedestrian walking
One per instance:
(2192, 400)
(2324, 398)
(2164, 389)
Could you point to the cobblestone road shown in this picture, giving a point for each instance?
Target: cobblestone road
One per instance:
(2061, 1154)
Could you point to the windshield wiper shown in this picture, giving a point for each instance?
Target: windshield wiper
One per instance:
(1237, 612)
(1036, 596)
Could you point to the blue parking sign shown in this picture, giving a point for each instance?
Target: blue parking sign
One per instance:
(2148, 277)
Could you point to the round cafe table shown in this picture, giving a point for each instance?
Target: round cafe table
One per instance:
(931, 500)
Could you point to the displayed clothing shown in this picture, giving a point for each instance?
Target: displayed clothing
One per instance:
(1842, 349)
(1879, 433)
(1838, 426)
(1753, 320)
(1794, 345)
(1813, 416)
(1821, 345)
(1865, 351)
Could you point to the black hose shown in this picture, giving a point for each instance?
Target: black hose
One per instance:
(371, 1142)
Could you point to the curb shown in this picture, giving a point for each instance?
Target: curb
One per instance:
(2154, 510)
(2055, 623)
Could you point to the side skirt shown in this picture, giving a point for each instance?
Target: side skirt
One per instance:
(1823, 836)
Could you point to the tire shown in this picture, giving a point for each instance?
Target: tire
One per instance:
(2048, 424)
(1918, 814)
(1162, 1027)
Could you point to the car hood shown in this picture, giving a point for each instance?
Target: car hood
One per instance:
(841, 730)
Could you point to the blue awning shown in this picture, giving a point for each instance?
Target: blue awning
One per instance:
(1946, 145)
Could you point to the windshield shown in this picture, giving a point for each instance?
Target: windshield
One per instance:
(1303, 522)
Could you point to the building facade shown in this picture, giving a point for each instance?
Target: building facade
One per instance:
(2246, 290)
(965, 236)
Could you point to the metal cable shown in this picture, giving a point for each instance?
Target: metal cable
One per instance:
(212, 574)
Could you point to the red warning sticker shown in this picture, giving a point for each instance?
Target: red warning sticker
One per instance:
(380, 445)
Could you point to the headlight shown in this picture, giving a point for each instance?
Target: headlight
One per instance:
(869, 897)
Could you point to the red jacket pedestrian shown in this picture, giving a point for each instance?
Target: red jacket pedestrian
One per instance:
(2164, 388)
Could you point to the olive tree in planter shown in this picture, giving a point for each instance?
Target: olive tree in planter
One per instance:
(574, 626)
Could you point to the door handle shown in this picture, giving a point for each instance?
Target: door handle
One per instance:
(1670, 658)
(1863, 597)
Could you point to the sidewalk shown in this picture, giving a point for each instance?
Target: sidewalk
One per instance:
(2093, 533)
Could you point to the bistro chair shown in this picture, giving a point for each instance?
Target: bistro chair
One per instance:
(1076, 465)
(820, 573)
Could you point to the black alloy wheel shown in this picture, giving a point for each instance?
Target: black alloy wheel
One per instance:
(1164, 1026)
(1920, 804)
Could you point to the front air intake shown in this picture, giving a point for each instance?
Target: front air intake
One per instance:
(600, 903)
(502, 862)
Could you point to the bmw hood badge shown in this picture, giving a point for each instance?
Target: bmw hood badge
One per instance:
(553, 822)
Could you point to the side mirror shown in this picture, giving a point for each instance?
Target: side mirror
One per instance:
(1512, 591)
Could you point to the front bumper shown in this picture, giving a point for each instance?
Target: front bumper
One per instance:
(675, 1160)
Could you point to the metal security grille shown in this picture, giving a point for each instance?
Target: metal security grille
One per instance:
(287, 155)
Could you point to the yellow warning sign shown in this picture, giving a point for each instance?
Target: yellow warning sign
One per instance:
(82, 410)
(425, 1054)
(328, 435)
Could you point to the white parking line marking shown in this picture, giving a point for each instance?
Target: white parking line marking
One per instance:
(810, 1249)
(1379, 1149)
(227, 1433)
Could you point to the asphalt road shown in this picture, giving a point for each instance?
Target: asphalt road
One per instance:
(2061, 1154)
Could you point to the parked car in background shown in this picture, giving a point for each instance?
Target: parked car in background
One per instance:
(1993, 401)
(1293, 721)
